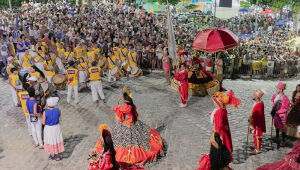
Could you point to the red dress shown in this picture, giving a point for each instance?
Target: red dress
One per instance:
(135, 143)
(204, 163)
(221, 125)
(182, 78)
(105, 163)
(258, 123)
(289, 162)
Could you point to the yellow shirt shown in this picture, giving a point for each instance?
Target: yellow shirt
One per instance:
(23, 96)
(15, 81)
(72, 76)
(90, 56)
(27, 61)
(95, 74)
(117, 52)
(69, 56)
(112, 61)
(82, 66)
(78, 52)
(123, 54)
(264, 63)
(50, 66)
(57, 44)
(36, 74)
(61, 52)
(132, 59)
(96, 51)
(39, 58)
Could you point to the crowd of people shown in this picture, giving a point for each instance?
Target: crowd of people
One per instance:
(45, 47)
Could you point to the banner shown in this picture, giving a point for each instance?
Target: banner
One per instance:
(226, 9)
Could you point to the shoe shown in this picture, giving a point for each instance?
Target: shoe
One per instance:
(96, 102)
(51, 157)
(41, 147)
(58, 158)
(182, 105)
(104, 101)
(282, 144)
(251, 147)
(254, 152)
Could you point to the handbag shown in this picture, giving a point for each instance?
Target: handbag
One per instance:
(33, 118)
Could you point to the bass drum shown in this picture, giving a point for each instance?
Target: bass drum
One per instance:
(59, 80)
(136, 72)
(116, 72)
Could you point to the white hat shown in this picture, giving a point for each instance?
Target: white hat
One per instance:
(10, 58)
(32, 78)
(52, 101)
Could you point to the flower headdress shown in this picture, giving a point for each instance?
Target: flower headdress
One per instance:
(226, 99)
(125, 90)
(103, 130)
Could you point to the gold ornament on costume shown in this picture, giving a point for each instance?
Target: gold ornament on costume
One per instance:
(125, 90)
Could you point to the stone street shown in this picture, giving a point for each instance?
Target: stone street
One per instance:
(186, 131)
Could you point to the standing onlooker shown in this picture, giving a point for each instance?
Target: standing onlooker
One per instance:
(35, 118)
(219, 69)
(166, 66)
(54, 144)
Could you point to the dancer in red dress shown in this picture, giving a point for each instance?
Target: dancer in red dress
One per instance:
(219, 116)
(182, 77)
(218, 158)
(107, 159)
(257, 121)
(134, 141)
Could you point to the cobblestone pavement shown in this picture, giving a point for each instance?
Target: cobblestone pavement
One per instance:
(186, 131)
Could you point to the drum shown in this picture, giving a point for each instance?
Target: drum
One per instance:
(116, 72)
(59, 81)
(136, 72)
(125, 66)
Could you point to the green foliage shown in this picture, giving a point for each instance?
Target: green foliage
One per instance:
(190, 6)
(262, 2)
(245, 5)
(173, 2)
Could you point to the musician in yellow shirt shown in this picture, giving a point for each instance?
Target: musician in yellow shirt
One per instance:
(96, 85)
(123, 53)
(72, 79)
(14, 83)
(132, 58)
(49, 67)
(82, 68)
(69, 55)
(112, 65)
(78, 51)
(90, 56)
(22, 97)
(61, 51)
(96, 51)
(26, 62)
(34, 71)
(39, 56)
(116, 50)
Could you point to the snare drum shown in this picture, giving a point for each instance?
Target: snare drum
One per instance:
(116, 72)
(136, 72)
(59, 81)
(125, 66)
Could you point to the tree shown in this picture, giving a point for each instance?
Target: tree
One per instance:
(172, 2)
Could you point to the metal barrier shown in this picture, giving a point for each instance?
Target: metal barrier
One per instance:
(261, 69)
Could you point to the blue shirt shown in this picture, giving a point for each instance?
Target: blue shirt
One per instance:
(29, 104)
(52, 116)
(21, 45)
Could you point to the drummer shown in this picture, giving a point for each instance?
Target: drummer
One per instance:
(124, 61)
(132, 57)
(72, 82)
(112, 64)
(79, 50)
(82, 68)
(26, 61)
(69, 55)
(90, 56)
(94, 73)
(96, 51)
(49, 68)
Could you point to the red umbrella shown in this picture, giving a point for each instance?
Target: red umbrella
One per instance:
(215, 39)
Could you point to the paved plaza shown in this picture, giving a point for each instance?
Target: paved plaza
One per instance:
(186, 131)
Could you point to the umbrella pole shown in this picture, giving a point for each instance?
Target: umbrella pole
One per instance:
(214, 23)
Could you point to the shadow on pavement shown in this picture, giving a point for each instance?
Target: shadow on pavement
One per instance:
(242, 154)
(1, 150)
(70, 144)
